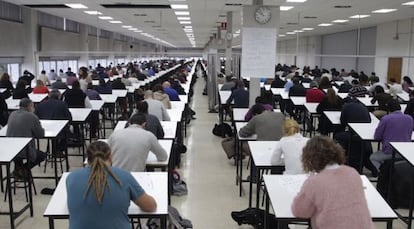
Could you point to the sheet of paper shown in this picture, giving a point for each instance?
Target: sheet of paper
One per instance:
(293, 184)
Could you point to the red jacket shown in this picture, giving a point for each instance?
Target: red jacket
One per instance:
(314, 95)
(40, 90)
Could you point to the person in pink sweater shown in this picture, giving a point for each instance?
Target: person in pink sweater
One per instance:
(333, 196)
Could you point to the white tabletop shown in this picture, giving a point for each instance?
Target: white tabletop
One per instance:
(311, 107)
(224, 96)
(154, 184)
(282, 189)
(37, 98)
(80, 114)
(298, 100)
(119, 92)
(280, 91)
(405, 149)
(342, 95)
(97, 104)
(52, 127)
(183, 98)
(367, 101)
(10, 147)
(366, 130)
(334, 88)
(177, 105)
(404, 96)
(239, 113)
(2, 90)
(175, 114)
(335, 117)
(170, 128)
(306, 85)
(109, 98)
(262, 152)
(13, 104)
(239, 125)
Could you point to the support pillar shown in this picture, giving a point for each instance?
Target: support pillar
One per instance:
(84, 45)
(31, 41)
(229, 43)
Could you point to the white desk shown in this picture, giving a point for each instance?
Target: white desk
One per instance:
(280, 91)
(183, 98)
(169, 127)
(119, 93)
(282, 189)
(80, 114)
(12, 104)
(177, 105)
(2, 90)
(240, 125)
(367, 101)
(311, 107)
(406, 149)
(224, 96)
(239, 113)
(10, 148)
(52, 127)
(335, 117)
(97, 104)
(298, 100)
(109, 98)
(175, 114)
(343, 95)
(154, 184)
(366, 130)
(37, 98)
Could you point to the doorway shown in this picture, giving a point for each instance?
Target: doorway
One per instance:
(394, 68)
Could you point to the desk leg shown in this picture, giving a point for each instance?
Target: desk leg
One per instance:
(265, 223)
(9, 189)
(410, 211)
(258, 180)
(51, 223)
(241, 167)
(54, 151)
(389, 224)
(164, 222)
(250, 184)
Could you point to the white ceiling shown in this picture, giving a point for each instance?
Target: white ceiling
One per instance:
(206, 15)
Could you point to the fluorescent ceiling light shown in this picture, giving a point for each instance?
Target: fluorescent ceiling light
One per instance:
(383, 11)
(307, 29)
(179, 6)
(290, 33)
(132, 29)
(115, 22)
(282, 35)
(188, 26)
(286, 8)
(296, 0)
(177, 0)
(126, 26)
(182, 13)
(298, 31)
(185, 22)
(360, 16)
(76, 6)
(325, 24)
(340, 21)
(138, 31)
(94, 12)
(105, 18)
(183, 18)
(408, 3)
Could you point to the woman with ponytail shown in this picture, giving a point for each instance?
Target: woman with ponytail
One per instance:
(99, 194)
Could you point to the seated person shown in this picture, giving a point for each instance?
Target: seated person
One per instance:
(410, 106)
(40, 88)
(331, 102)
(383, 99)
(103, 87)
(59, 84)
(357, 90)
(173, 94)
(345, 87)
(22, 90)
(290, 146)
(156, 107)
(102, 192)
(330, 179)
(395, 88)
(239, 95)
(160, 95)
(92, 93)
(314, 94)
(277, 82)
(394, 127)
(229, 84)
(153, 124)
(261, 100)
(4, 112)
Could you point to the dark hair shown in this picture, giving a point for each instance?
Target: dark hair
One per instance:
(43, 72)
(257, 109)
(407, 79)
(412, 94)
(375, 79)
(331, 96)
(138, 119)
(295, 80)
(76, 84)
(5, 77)
(25, 103)
(157, 87)
(239, 84)
(379, 90)
(393, 105)
(21, 84)
(54, 94)
(355, 82)
(142, 107)
(321, 151)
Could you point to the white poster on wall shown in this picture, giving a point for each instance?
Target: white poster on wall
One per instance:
(258, 52)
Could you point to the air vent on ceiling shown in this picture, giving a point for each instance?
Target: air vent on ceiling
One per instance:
(310, 17)
(291, 23)
(156, 26)
(233, 4)
(342, 7)
(222, 15)
(46, 6)
(136, 6)
(140, 15)
(149, 21)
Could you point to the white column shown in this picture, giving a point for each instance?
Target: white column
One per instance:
(229, 42)
(83, 45)
(112, 48)
(31, 40)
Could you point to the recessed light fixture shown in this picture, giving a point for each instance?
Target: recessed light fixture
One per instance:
(325, 24)
(286, 8)
(185, 22)
(76, 6)
(105, 18)
(132, 29)
(296, 1)
(182, 13)
(179, 6)
(360, 16)
(290, 33)
(298, 31)
(126, 26)
(340, 21)
(115, 22)
(188, 26)
(138, 31)
(94, 12)
(282, 35)
(383, 11)
(307, 29)
(408, 3)
(183, 18)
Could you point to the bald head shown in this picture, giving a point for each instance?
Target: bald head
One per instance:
(166, 84)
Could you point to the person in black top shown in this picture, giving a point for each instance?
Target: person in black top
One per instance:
(4, 113)
(7, 84)
(277, 82)
(331, 102)
(53, 108)
(240, 96)
(153, 124)
(296, 90)
(383, 99)
(21, 91)
(118, 85)
(355, 112)
(344, 88)
(410, 106)
(28, 77)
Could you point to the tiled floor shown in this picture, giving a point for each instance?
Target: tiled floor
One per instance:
(210, 176)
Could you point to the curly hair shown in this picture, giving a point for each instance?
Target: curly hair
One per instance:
(321, 151)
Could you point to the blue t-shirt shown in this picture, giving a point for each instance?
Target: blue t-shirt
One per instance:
(173, 94)
(87, 213)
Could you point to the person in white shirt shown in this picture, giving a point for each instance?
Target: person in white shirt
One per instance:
(156, 107)
(395, 88)
(290, 146)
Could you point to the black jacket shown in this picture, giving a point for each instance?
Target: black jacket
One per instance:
(53, 109)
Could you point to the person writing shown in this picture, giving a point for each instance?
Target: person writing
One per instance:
(333, 196)
(99, 195)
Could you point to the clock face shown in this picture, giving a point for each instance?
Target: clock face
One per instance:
(229, 36)
(263, 15)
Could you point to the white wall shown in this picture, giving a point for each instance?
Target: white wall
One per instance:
(387, 46)
(309, 48)
(11, 39)
(56, 40)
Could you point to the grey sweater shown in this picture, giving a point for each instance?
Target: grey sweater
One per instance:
(267, 126)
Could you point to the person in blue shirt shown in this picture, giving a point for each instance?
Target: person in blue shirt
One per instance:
(151, 72)
(173, 94)
(98, 196)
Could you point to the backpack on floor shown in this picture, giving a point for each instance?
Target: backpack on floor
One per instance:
(222, 130)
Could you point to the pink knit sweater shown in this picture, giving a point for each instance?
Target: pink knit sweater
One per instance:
(334, 198)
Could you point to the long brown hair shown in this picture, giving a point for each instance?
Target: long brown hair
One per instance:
(331, 95)
(98, 153)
